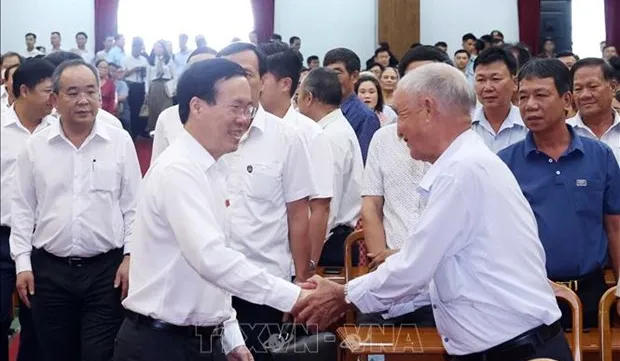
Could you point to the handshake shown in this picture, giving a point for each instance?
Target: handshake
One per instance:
(320, 303)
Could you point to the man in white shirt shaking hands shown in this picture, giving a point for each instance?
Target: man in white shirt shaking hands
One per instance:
(475, 255)
(183, 271)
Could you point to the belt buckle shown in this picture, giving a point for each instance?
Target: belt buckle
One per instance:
(75, 261)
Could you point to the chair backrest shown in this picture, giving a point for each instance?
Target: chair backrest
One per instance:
(352, 240)
(604, 322)
(566, 294)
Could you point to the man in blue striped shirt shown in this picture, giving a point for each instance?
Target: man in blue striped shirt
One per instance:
(363, 120)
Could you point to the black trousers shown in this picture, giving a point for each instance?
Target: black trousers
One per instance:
(76, 309)
(422, 317)
(257, 323)
(27, 338)
(136, 342)
(556, 348)
(590, 291)
(332, 254)
(135, 98)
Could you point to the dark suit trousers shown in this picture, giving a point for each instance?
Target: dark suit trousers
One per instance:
(137, 342)
(257, 322)
(76, 309)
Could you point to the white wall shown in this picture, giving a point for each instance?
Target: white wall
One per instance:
(326, 24)
(449, 20)
(18, 17)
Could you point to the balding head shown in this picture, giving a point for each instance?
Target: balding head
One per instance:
(434, 103)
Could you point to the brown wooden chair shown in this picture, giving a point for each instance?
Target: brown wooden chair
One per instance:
(566, 294)
(604, 322)
(351, 271)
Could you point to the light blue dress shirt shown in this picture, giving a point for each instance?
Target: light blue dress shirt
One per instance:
(512, 130)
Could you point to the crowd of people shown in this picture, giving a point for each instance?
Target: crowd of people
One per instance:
(475, 177)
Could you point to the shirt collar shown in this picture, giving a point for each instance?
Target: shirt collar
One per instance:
(513, 118)
(9, 117)
(258, 123)
(99, 130)
(333, 116)
(575, 145)
(462, 141)
(198, 152)
(348, 102)
(290, 113)
(578, 122)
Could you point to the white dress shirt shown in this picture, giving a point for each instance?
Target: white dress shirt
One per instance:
(14, 137)
(346, 203)
(88, 57)
(82, 201)
(132, 62)
(183, 269)
(611, 136)
(167, 129)
(4, 99)
(475, 256)
(392, 174)
(102, 116)
(270, 169)
(512, 130)
(32, 53)
(320, 152)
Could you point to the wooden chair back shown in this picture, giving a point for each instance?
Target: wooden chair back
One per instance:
(353, 240)
(604, 322)
(566, 294)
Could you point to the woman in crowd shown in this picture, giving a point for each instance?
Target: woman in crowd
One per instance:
(107, 87)
(159, 90)
(389, 79)
(369, 92)
(376, 69)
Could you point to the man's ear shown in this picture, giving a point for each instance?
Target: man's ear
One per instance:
(355, 75)
(567, 98)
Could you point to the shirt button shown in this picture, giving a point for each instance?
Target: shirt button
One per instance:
(446, 339)
(550, 160)
(558, 172)
(435, 306)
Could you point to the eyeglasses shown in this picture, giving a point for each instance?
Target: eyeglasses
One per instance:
(241, 111)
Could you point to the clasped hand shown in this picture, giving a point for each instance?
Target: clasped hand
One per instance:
(320, 304)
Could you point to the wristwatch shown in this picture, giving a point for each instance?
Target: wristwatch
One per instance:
(312, 266)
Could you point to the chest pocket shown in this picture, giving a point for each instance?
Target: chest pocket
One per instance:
(262, 181)
(104, 177)
(588, 197)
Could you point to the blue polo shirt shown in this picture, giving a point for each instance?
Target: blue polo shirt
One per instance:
(363, 120)
(569, 198)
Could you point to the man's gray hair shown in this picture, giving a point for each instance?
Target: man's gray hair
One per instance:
(442, 82)
(70, 64)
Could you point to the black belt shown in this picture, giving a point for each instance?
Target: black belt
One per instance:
(188, 331)
(78, 261)
(574, 284)
(521, 346)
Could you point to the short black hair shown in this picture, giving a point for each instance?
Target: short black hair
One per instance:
(479, 45)
(370, 78)
(10, 54)
(607, 46)
(292, 39)
(346, 56)
(523, 53)
(202, 50)
(415, 45)
(493, 55)
(486, 38)
(55, 33)
(240, 47)
(498, 33)
(31, 73)
(496, 41)
(276, 37)
(422, 53)
(273, 47)
(324, 86)
(548, 68)
(372, 65)
(201, 80)
(469, 36)
(462, 51)
(60, 69)
(442, 44)
(382, 49)
(81, 33)
(60, 57)
(285, 64)
(606, 68)
(312, 58)
(615, 64)
(7, 71)
(566, 53)
(31, 34)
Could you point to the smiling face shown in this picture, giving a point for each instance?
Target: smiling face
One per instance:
(415, 125)
(593, 94)
(541, 106)
(368, 93)
(494, 84)
(249, 61)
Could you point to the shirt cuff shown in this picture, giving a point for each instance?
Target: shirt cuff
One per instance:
(358, 292)
(233, 337)
(126, 248)
(22, 263)
(283, 296)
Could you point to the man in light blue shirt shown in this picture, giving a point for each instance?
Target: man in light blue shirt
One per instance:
(180, 58)
(117, 53)
(497, 121)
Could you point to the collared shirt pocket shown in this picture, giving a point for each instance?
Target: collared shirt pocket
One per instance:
(262, 181)
(104, 177)
(588, 196)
